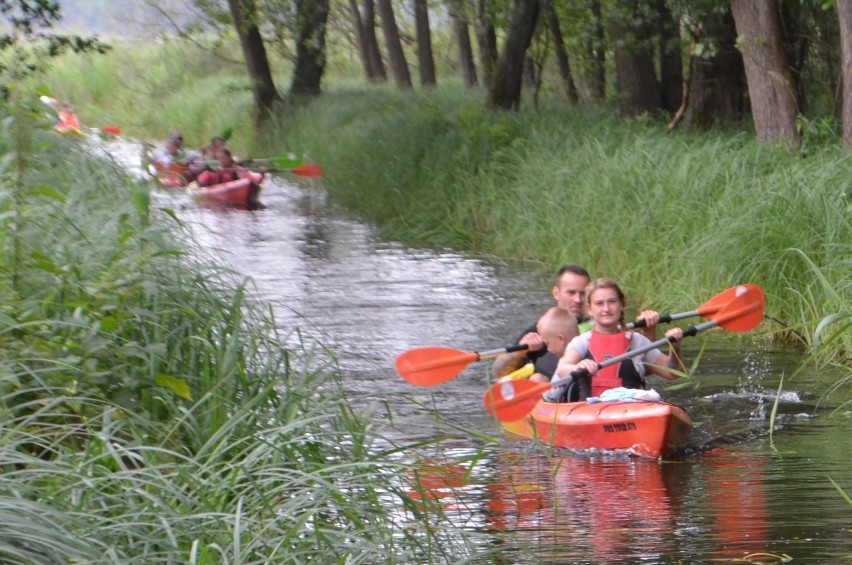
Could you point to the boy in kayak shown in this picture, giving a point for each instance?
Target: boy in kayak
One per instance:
(554, 330)
(569, 293)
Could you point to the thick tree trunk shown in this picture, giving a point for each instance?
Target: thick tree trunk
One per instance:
(717, 85)
(561, 53)
(244, 14)
(377, 66)
(462, 34)
(844, 13)
(399, 66)
(671, 63)
(425, 59)
(486, 37)
(636, 79)
(770, 86)
(312, 16)
(505, 90)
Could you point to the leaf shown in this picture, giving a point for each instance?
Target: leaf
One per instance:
(177, 386)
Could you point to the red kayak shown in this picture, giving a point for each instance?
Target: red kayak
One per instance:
(650, 429)
(242, 192)
(173, 175)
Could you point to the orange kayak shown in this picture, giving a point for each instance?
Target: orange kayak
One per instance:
(240, 192)
(650, 429)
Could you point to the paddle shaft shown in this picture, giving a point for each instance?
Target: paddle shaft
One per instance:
(664, 319)
(463, 357)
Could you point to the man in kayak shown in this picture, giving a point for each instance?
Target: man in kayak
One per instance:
(608, 339)
(569, 293)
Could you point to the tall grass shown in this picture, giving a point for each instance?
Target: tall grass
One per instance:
(675, 216)
(150, 414)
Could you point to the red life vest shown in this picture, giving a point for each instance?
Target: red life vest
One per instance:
(606, 346)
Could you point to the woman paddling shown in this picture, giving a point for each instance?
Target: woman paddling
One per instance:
(605, 303)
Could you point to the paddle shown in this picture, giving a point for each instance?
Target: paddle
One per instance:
(705, 310)
(429, 366)
(513, 400)
(308, 170)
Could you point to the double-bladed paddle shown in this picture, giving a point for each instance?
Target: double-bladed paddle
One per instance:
(512, 400)
(430, 366)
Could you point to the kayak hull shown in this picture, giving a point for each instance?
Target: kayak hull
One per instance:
(243, 192)
(173, 175)
(650, 429)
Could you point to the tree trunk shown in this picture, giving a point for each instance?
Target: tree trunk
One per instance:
(311, 18)
(505, 90)
(770, 86)
(399, 66)
(244, 13)
(561, 53)
(844, 13)
(361, 40)
(486, 37)
(424, 43)
(597, 52)
(671, 63)
(376, 65)
(636, 79)
(460, 30)
(717, 84)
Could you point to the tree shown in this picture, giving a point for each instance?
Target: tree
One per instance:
(486, 37)
(399, 66)
(425, 60)
(844, 13)
(244, 14)
(462, 35)
(716, 79)
(770, 85)
(365, 35)
(311, 18)
(636, 79)
(504, 92)
(671, 62)
(561, 53)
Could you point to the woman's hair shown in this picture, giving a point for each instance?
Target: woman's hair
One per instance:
(603, 282)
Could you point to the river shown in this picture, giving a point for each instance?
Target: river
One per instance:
(344, 297)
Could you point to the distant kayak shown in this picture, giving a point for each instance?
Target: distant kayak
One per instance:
(243, 192)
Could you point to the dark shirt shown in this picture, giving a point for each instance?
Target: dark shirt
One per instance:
(543, 360)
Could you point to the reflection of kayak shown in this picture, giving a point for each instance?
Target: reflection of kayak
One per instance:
(651, 429)
(240, 192)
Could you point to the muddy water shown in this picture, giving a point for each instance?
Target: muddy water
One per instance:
(737, 494)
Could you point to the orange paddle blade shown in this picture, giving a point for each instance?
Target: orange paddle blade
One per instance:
(513, 400)
(745, 312)
(724, 298)
(429, 366)
(111, 130)
(309, 170)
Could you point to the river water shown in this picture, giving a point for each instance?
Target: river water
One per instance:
(345, 297)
